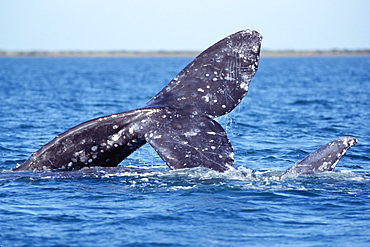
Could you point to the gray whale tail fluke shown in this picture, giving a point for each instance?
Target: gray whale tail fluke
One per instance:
(177, 122)
(325, 158)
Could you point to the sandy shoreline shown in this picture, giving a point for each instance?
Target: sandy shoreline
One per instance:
(174, 53)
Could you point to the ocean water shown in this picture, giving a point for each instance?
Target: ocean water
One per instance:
(294, 106)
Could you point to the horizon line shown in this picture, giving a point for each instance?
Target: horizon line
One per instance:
(179, 53)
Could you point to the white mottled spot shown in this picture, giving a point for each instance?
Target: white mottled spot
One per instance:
(110, 142)
(200, 89)
(211, 133)
(232, 155)
(206, 98)
(223, 106)
(192, 132)
(244, 86)
(115, 137)
(213, 147)
(115, 126)
(214, 79)
(94, 148)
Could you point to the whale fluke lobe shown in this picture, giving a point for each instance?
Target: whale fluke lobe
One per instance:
(104, 141)
(186, 141)
(215, 82)
(177, 122)
(325, 158)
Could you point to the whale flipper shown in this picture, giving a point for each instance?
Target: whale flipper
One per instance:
(325, 158)
(210, 86)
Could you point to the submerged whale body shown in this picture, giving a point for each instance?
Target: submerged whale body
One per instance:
(178, 121)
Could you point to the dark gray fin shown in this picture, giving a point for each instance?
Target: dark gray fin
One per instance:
(325, 158)
(186, 141)
(215, 82)
(104, 141)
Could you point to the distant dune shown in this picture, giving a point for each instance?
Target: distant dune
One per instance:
(264, 53)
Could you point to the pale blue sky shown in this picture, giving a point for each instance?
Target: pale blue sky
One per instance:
(181, 25)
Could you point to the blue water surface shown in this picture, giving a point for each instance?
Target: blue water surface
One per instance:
(294, 106)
